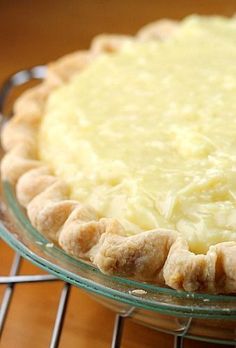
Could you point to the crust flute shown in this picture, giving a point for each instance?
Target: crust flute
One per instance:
(161, 256)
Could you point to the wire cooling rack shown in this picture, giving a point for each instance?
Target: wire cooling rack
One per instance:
(13, 278)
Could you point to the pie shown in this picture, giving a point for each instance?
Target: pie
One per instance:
(125, 155)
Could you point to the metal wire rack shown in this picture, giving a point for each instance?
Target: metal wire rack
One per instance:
(13, 278)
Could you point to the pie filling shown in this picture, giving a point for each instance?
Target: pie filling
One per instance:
(148, 135)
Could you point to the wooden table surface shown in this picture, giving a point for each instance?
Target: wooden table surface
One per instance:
(35, 32)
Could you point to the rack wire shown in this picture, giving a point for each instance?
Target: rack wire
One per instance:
(13, 278)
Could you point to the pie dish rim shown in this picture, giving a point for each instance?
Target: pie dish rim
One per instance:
(46, 198)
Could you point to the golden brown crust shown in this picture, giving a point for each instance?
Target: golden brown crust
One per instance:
(32, 183)
(159, 255)
(109, 43)
(49, 209)
(64, 68)
(160, 30)
(13, 167)
(142, 256)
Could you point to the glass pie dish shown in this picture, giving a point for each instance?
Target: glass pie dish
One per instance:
(200, 316)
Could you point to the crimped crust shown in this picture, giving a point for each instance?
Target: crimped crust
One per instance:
(160, 255)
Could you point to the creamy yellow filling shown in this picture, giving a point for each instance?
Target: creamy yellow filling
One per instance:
(148, 135)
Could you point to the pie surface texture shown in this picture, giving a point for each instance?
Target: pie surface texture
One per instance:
(125, 154)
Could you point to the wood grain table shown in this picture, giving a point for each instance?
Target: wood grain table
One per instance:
(35, 32)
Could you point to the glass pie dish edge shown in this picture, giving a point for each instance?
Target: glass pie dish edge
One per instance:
(17, 231)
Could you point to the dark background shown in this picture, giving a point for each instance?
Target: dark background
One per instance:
(33, 32)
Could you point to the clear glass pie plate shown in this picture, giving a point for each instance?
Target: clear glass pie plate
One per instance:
(200, 316)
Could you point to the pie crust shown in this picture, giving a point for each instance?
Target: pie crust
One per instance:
(161, 256)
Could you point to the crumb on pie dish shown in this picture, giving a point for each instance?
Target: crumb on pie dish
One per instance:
(125, 154)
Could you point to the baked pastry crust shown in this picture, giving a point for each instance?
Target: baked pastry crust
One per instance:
(159, 255)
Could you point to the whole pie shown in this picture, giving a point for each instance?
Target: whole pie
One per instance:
(125, 154)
